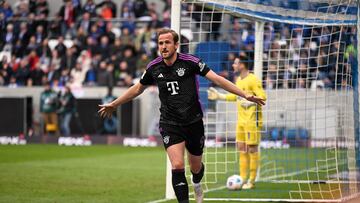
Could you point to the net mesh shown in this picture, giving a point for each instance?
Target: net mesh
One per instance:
(308, 136)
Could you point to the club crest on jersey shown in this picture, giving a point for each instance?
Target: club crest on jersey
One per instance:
(166, 139)
(180, 71)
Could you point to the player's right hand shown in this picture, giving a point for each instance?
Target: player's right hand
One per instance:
(106, 110)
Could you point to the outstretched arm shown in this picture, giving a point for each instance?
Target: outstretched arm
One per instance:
(230, 87)
(134, 91)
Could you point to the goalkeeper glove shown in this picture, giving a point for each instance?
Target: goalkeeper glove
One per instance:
(245, 103)
(213, 94)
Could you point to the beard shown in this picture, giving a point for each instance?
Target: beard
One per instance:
(168, 54)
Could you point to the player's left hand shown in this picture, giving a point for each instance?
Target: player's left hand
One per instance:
(255, 99)
(106, 110)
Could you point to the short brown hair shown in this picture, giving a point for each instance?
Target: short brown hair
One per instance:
(173, 33)
(244, 60)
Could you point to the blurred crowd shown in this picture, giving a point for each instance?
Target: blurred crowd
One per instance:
(80, 45)
(109, 44)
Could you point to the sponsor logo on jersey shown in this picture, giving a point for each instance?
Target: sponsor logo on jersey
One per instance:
(180, 71)
(173, 87)
(160, 75)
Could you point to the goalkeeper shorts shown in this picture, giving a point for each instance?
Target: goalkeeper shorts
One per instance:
(248, 134)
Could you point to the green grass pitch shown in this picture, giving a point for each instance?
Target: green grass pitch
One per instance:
(51, 173)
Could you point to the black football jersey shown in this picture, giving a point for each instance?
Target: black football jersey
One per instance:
(178, 88)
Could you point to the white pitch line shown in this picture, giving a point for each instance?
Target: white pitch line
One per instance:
(160, 200)
(270, 200)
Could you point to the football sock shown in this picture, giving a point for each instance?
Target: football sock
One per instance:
(244, 165)
(254, 163)
(198, 176)
(180, 185)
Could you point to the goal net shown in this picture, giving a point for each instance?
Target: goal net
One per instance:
(304, 52)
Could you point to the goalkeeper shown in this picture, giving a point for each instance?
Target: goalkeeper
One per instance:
(248, 128)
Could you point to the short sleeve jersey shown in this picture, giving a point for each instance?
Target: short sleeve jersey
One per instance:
(178, 88)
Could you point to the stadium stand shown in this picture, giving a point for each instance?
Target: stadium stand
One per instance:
(113, 41)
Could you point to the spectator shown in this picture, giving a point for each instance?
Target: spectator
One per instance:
(66, 110)
(44, 50)
(106, 12)
(90, 7)
(129, 4)
(116, 48)
(22, 9)
(18, 50)
(69, 60)
(55, 61)
(68, 16)
(33, 60)
(109, 4)
(23, 35)
(140, 8)
(2, 25)
(109, 33)
(130, 58)
(22, 72)
(36, 75)
(55, 27)
(60, 47)
(126, 37)
(91, 77)
(6, 71)
(123, 76)
(103, 48)
(6, 9)
(95, 32)
(90, 45)
(84, 23)
(64, 77)
(76, 4)
(41, 8)
(141, 64)
(105, 75)
(31, 46)
(9, 38)
(78, 74)
(48, 108)
(13, 83)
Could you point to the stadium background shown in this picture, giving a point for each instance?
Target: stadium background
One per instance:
(22, 79)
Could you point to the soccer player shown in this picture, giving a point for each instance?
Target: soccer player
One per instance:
(181, 124)
(248, 128)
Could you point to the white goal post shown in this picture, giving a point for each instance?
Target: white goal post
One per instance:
(310, 74)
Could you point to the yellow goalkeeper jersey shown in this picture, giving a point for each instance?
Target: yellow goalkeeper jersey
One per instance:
(251, 114)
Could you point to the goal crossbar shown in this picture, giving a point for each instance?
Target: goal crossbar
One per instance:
(277, 14)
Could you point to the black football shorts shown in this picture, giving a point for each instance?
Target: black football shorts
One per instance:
(192, 134)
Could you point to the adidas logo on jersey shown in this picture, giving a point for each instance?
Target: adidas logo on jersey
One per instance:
(160, 75)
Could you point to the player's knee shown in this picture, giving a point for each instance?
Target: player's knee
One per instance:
(196, 168)
(241, 147)
(178, 165)
(253, 148)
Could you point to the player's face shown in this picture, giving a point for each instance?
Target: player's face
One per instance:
(236, 65)
(166, 45)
